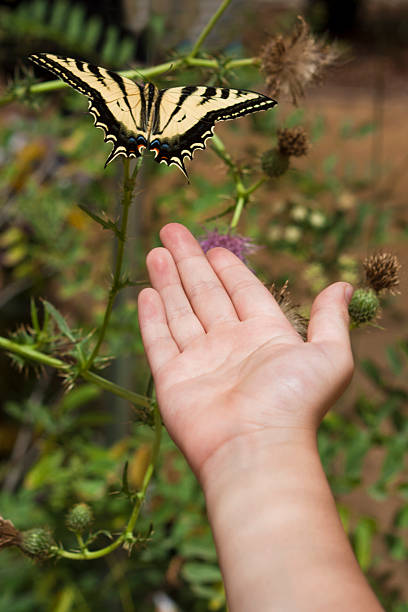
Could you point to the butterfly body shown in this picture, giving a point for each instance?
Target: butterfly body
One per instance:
(172, 123)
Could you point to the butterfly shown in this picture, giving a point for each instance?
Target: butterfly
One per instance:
(171, 122)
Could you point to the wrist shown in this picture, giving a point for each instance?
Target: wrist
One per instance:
(251, 456)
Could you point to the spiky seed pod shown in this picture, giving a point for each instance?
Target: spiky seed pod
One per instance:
(273, 163)
(364, 306)
(37, 543)
(293, 141)
(381, 271)
(79, 518)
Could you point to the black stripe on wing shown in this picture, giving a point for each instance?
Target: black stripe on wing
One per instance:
(125, 142)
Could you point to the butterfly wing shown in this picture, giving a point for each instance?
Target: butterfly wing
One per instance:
(185, 118)
(115, 102)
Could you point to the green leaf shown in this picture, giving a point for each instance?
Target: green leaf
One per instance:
(199, 548)
(92, 33)
(59, 14)
(401, 518)
(106, 224)
(295, 118)
(356, 452)
(363, 538)
(345, 517)
(396, 546)
(34, 316)
(75, 23)
(395, 359)
(394, 462)
(45, 470)
(78, 397)
(196, 572)
(318, 128)
(59, 320)
(372, 371)
(330, 163)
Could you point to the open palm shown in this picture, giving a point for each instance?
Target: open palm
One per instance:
(225, 360)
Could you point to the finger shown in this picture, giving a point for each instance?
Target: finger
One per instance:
(182, 321)
(329, 319)
(158, 342)
(249, 296)
(203, 288)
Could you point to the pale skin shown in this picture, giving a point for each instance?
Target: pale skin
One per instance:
(242, 395)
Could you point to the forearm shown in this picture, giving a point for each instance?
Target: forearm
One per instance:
(279, 538)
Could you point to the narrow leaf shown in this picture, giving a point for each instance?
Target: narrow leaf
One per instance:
(60, 321)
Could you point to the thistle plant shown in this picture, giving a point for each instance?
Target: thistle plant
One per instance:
(290, 65)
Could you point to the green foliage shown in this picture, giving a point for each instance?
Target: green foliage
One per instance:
(67, 27)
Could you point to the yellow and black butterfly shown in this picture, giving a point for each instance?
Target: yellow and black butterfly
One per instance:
(172, 122)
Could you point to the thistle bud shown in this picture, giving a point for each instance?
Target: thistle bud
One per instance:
(79, 518)
(364, 306)
(273, 163)
(37, 543)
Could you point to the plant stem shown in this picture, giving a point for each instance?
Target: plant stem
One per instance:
(127, 534)
(207, 29)
(129, 183)
(108, 385)
(256, 185)
(30, 353)
(241, 201)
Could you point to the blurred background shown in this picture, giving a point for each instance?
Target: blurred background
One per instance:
(314, 224)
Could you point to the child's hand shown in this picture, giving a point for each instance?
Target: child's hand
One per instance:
(225, 360)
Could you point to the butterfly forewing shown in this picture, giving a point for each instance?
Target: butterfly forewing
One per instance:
(114, 101)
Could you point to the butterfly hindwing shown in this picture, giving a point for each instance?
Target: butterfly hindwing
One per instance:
(114, 101)
(185, 118)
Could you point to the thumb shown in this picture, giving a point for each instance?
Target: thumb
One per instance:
(329, 319)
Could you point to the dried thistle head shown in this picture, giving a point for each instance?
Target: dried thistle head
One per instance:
(293, 141)
(381, 271)
(298, 321)
(9, 535)
(294, 62)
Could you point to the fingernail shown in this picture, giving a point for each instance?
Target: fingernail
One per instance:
(348, 293)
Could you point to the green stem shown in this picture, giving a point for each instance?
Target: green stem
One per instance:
(243, 194)
(256, 185)
(127, 534)
(148, 475)
(108, 385)
(219, 148)
(80, 541)
(241, 63)
(241, 201)
(27, 352)
(129, 183)
(207, 29)
(201, 62)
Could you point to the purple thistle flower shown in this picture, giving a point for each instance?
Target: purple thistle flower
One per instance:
(241, 246)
